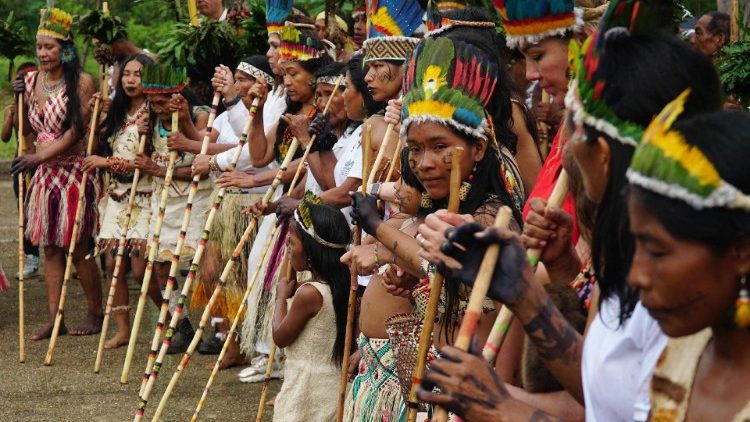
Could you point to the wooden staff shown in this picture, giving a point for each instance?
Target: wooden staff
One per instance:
(193, 12)
(505, 317)
(734, 21)
(312, 140)
(197, 259)
(78, 217)
(235, 321)
(152, 252)
(379, 158)
(395, 161)
(175, 265)
(544, 128)
(21, 226)
(425, 338)
(366, 171)
(118, 260)
(476, 299)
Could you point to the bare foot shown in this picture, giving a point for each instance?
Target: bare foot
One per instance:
(271, 402)
(120, 339)
(233, 358)
(46, 331)
(92, 325)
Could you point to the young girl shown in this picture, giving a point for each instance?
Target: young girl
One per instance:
(306, 314)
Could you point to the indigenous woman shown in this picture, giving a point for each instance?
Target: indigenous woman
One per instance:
(622, 342)
(689, 207)
(230, 222)
(118, 146)
(57, 96)
(309, 319)
(166, 93)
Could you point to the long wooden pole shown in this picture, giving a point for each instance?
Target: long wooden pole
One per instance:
(425, 338)
(381, 152)
(193, 12)
(312, 140)
(21, 227)
(154, 365)
(478, 293)
(735, 20)
(235, 321)
(78, 217)
(196, 263)
(152, 252)
(118, 260)
(395, 161)
(366, 171)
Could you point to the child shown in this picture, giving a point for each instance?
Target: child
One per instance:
(305, 314)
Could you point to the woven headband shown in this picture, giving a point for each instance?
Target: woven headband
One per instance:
(311, 231)
(255, 72)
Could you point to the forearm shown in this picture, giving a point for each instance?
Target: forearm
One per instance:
(279, 313)
(565, 269)
(403, 248)
(67, 141)
(214, 148)
(323, 174)
(7, 129)
(182, 173)
(556, 341)
(187, 127)
(259, 143)
(339, 196)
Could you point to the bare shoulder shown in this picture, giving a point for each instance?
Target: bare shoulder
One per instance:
(86, 84)
(308, 298)
(377, 129)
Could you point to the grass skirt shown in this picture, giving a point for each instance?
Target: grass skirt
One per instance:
(226, 232)
(52, 201)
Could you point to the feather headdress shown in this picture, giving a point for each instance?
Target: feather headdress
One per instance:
(276, 13)
(449, 82)
(303, 217)
(162, 79)
(665, 163)
(531, 21)
(391, 24)
(55, 23)
(585, 98)
(296, 46)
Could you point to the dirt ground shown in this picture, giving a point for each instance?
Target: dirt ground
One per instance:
(69, 390)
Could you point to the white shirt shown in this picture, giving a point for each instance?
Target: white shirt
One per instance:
(618, 362)
(348, 161)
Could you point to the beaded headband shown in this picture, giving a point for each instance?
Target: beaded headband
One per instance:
(295, 46)
(449, 82)
(444, 24)
(276, 13)
(666, 164)
(585, 98)
(331, 80)
(304, 220)
(531, 21)
(391, 23)
(163, 79)
(55, 23)
(255, 72)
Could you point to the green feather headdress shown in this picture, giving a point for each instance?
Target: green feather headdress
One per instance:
(585, 98)
(666, 164)
(303, 217)
(163, 79)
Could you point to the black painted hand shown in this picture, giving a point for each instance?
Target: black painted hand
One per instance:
(365, 212)
(24, 163)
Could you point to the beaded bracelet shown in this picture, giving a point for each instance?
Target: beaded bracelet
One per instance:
(212, 165)
(116, 165)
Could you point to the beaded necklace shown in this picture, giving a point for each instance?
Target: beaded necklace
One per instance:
(137, 115)
(51, 90)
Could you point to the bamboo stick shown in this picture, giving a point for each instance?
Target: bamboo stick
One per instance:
(152, 252)
(395, 161)
(193, 12)
(381, 152)
(118, 260)
(366, 171)
(153, 360)
(78, 217)
(476, 298)
(734, 35)
(425, 338)
(21, 226)
(312, 140)
(235, 321)
(505, 317)
(544, 128)
(282, 169)
(196, 262)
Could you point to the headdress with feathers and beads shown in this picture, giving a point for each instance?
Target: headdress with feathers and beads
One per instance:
(449, 82)
(55, 23)
(303, 217)
(391, 24)
(585, 98)
(437, 23)
(531, 21)
(162, 79)
(666, 164)
(276, 13)
(296, 46)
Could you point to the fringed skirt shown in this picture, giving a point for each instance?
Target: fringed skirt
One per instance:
(375, 394)
(173, 216)
(226, 232)
(113, 224)
(52, 201)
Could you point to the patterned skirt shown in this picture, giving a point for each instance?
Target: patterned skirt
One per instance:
(226, 232)
(52, 202)
(113, 224)
(375, 395)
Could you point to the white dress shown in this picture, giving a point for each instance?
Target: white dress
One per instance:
(311, 380)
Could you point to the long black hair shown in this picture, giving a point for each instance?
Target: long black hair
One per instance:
(72, 71)
(724, 138)
(118, 111)
(356, 69)
(329, 224)
(643, 73)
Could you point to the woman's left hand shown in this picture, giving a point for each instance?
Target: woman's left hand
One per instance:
(365, 212)
(24, 163)
(286, 206)
(179, 104)
(362, 258)
(236, 179)
(200, 165)
(285, 288)
(469, 386)
(93, 162)
(299, 126)
(432, 234)
(176, 141)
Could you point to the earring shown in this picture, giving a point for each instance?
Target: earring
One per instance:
(742, 306)
(426, 201)
(463, 191)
